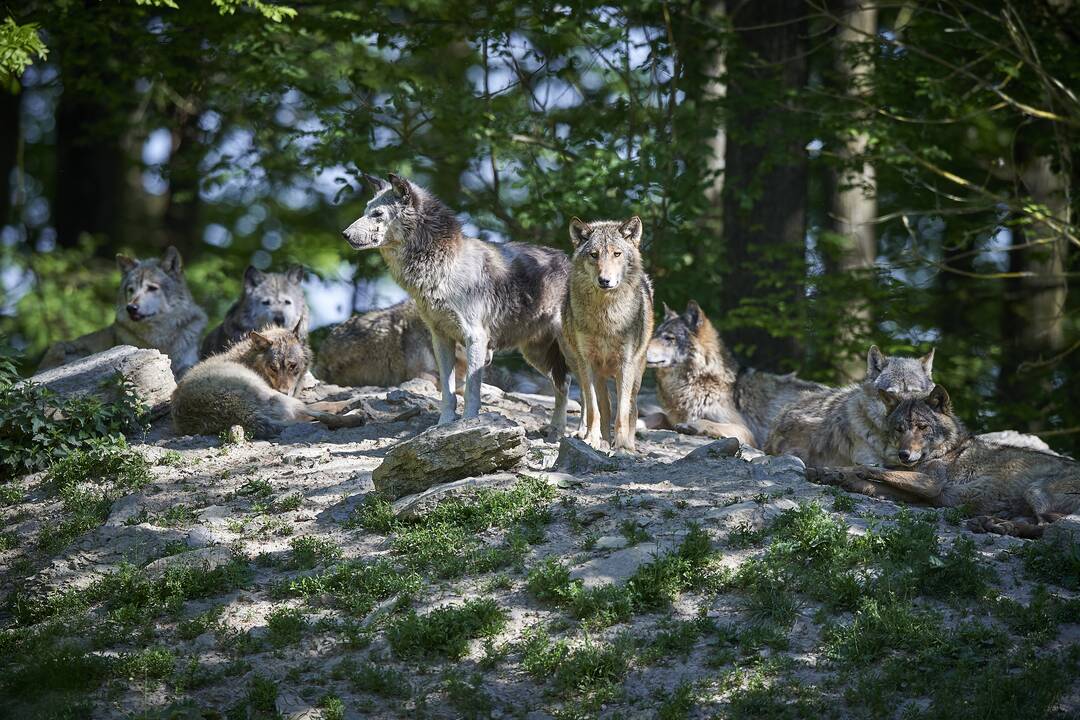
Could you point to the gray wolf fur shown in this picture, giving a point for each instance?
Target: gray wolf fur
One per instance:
(154, 309)
(702, 388)
(482, 295)
(266, 299)
(946, 466)
(607, 321)
(252, 384)
(847, 426)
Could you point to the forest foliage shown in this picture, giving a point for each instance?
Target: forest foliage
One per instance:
(818, 174)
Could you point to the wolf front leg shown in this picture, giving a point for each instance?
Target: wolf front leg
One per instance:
(476, 357)
(444, 358)
(625, 384)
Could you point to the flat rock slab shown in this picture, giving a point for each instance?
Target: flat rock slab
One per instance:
(207, 559)
(617, 567)
(575, 456)
(412, 506)
(148, 371)
(1064, 532)
(721, 449)
(444, 453)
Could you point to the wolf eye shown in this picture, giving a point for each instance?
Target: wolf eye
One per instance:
(266, 302)
(617, 253)
(288, 301)
(152, 288)
(595, 254)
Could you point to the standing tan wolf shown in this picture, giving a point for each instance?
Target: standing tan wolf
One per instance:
(485, 296)
(607, 321)
(252, 384)
(703, 390)
(154, 309)
(847, 426)
(266, 299)
(947, 466)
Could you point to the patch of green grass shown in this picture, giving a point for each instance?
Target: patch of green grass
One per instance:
(11, 494)
(87, 481)
(678, 703)
(149, 664)
(290, 502)
(842, 501)
(880, 627)
(762, 694)
(445, 631)
(171, 458)
(310, 550)
(178, 516)
(261, 696)
(592, 669)
(1040, 618)
(201, 623)
(374, 514)
(374, 679)
(8, 541)
(634, 533)
(745, 535)
(675, 639)
(285, 626)
(468, 697)
(357, 586)
(333, 707)
(1058, 564)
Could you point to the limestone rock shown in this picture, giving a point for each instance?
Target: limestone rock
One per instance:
(412, 506)
(445, 453)
(718, 450)
(207, 558)
(576, 457)
(1063, 532)
(149, 371)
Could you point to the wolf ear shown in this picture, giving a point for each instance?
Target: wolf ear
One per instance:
(939, 400)
(171, 262)
(669, 314)
(296, 330)
(261, 342)
(579, 231)
(403, 188)
(374, 184)
(253, 277)
(875, 362)
(295, 274)
(125, 263)
(693, 315)
(927, 361)
(631, 230)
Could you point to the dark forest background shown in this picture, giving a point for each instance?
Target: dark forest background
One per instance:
(818, 175)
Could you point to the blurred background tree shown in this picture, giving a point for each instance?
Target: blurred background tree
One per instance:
(818, 174)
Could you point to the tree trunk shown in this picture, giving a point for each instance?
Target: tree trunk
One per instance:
(9, 149)
(765, 185)
(1034, 305)
(852, 186)
(180, 223)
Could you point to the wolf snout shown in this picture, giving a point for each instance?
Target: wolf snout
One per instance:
(605, 283)
(133, 311)
(909, 458)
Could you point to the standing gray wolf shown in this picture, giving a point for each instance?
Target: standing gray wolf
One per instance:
(847, 426)
(154, 309)
(947, 466)
(266, 299)
(485, 296)
(252, 384)
(607, 321)
(702, 389)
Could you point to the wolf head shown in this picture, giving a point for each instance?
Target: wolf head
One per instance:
(675, 337)
(924, 428)
(894, 379)
(399, 210)
(151, 288)
(279, 355)
(606, 253)
(273, 299)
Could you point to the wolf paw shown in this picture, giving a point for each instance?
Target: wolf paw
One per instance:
(446, 418)
(990, 524)
(552, 433)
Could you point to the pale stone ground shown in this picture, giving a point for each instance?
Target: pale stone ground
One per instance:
(659, 491)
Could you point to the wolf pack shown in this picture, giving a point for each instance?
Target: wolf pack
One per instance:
(587, 316)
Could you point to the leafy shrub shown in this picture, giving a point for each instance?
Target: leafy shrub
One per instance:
(38, 427)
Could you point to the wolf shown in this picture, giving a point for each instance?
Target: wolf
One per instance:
(252, 384)
(946, 466)
(607, 321)
(847, 426)
(266, 299)
(154, 309)
(483, 295)
(704, 391)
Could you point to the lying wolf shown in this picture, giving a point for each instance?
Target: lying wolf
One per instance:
(847, 426)
(483, 295)
(947, 466)
(702, 389)
(607, 321)
(154, 309)
(266, 299)
(252, 384)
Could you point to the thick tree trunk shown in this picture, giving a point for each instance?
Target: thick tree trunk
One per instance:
(9, 149)
(180, 223)
(852, 184)
(765, 182)
(1033, 311)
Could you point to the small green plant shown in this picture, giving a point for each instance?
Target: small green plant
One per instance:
(468, 697)
(178, 515)
(677, 704)
(633, 532)
(333, 707)
(171, 458)
(309, 551)
(149, 664)
(357, 586)
(38, 427)
(285, 626)
(1052, 563)
(290, 502)
(371, 678)
(445, 630)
